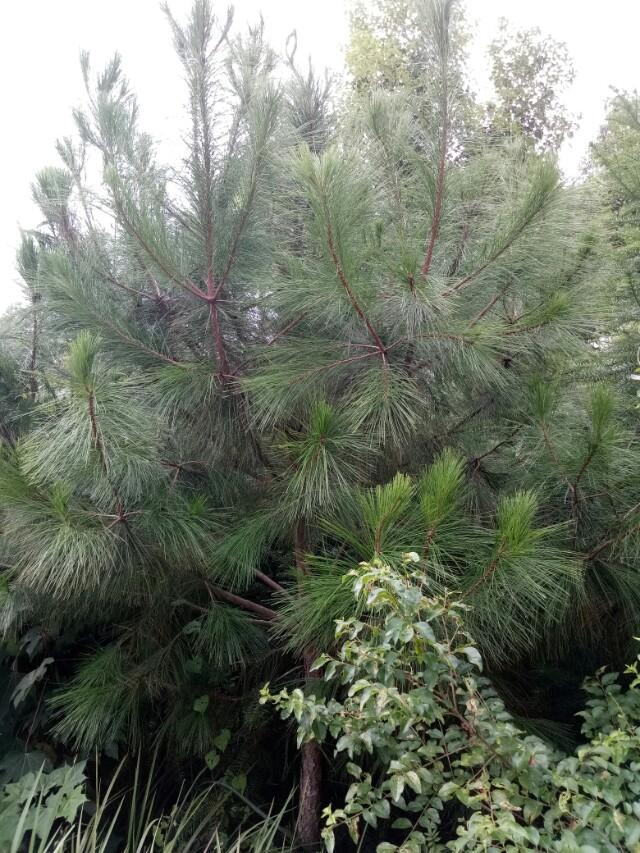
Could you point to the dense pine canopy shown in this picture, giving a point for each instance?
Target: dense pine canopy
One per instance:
(345, 327)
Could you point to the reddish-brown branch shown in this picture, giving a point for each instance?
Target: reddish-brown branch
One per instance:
(455, 264)
(134, 342)
(614, 540)
(428, 539)
(352, 297)
(495, 447)
(459, 424)
(486, 309)
(300, 546)
(267, 581)
(213, 291)
(337, 363)
(242, 224)
(524, 329)
(140, 294)
(437, 207)
(555, 459)
(186, 283)
(286, 329)
(488, 572)
(549, 445)
(586, 463)
(244, 603)
(490, 260)
(275, 338)
(95, 432)
(33, 359)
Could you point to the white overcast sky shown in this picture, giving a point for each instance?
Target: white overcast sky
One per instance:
(40, 41)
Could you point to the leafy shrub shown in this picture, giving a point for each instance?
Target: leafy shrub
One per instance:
(49, 812)
(436, 760)
(39, 802)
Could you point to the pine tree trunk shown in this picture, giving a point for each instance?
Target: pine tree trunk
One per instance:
(309, 804)
(308, 826)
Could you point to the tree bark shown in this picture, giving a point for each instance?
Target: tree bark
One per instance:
(308, 826)
(309, 803)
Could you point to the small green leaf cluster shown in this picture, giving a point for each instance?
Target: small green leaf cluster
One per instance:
(37, 802)
(435, 760)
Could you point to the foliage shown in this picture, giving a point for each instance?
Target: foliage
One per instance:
(48, 812)
(390, 46)
(394, 46)
(38, 801)
(311, 341)
(436, 760)
(487, 561)
(615, 155)
(530, 73)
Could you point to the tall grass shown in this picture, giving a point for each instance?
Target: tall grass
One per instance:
(129, 822)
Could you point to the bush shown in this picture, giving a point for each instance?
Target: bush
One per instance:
(435, 759)
(49, 812)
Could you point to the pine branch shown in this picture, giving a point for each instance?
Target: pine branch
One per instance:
(549, 445)
(345, 284)
(612, 541)
(267, 581)
(213, 291)
(95, 432)
(33, 356)
(488, 572)
(476, 460)
(464, 420)
(524, 329)
(586, 463)
(140, 294)
(455, 263)
(184, 283)
(239, 231)
(487, 308)
(534, 204)
(307, 374)
(437, 208)
(101, 320)
(286, 329)
(244, 603)
(300, 546)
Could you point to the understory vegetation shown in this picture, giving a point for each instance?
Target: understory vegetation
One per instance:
(319, 469)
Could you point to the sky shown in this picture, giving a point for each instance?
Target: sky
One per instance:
(40, 42)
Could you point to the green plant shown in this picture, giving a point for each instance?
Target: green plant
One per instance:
(436, 761)
(307, 342)
(36, 804)
(47, 812)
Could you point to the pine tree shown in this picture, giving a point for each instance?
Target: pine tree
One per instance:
(308, 345)
(615, 156)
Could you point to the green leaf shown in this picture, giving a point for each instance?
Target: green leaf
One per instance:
(396, 785)
(212, 759)
(413, 781)
(221, 740)
(473, 656)
(201, 704)
(27, 681)
(329, 840)
(381, 808)
(239, 782)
